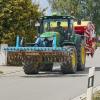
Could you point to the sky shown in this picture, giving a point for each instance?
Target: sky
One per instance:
(44, 4)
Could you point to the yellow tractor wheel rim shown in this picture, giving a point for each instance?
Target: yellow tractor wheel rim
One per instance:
(73, 59)
(83, 55)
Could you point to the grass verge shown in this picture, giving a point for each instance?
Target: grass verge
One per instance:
(1, 72)
(97, 96)
(98, 44)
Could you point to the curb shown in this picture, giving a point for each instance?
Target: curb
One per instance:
(83, 96)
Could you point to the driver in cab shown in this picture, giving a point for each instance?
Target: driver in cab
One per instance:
(60, 30)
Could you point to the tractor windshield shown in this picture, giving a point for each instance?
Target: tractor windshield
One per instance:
(53, 24)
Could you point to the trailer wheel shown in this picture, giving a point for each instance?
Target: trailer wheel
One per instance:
(70, 67)
(81, 58)
(30, 69)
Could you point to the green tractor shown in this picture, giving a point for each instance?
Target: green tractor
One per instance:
(57, 42)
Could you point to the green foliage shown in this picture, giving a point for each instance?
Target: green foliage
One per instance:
(98, 44)
(17, 17)
(96, 96)
(1, 72)
(64, 6)
(94, 12)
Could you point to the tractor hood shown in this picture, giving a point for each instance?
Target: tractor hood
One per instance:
(48, 34)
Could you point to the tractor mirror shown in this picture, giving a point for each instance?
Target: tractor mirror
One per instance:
(79, 22)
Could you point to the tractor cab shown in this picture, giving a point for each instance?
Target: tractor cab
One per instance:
(60, 27)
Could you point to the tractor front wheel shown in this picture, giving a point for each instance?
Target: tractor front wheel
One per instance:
(30, 69)
(70, 67)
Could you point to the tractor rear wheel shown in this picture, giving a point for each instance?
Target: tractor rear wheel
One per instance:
(70, 67)
(30, 69)
(81, 57)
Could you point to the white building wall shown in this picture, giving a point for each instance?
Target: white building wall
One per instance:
(3, 54)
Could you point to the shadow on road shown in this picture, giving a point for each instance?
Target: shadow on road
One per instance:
(53, 75)
(57, 73)
(97, 69)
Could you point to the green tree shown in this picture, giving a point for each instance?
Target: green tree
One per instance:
(65, 6)
(87, 9)
(94, 12)
(17, 17)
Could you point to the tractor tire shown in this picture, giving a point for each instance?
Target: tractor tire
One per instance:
(81, 57)
(47, 67)
(30, 69)
(70, 67)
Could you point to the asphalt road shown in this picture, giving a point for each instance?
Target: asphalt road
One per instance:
(47, 86)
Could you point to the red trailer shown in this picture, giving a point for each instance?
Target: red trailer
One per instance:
(87, 29)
